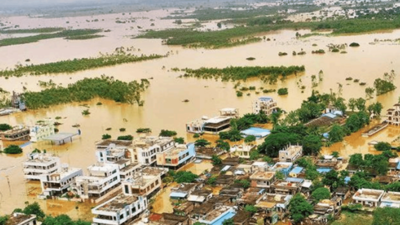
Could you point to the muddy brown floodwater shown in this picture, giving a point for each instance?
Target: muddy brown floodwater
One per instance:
(164, 107)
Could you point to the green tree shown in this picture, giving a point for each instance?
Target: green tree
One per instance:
(336, 134)
(369, 92)
(387, 216)
(167, 133)
(312, 145)
(179, 140)
(331, 179)
(250, 139)
(125, 138)
(250, 208)
(201, 143)
(216, 160)
(35, 209)
(228, 222)
(360, 104)
(352, 104)
(185, 177)
(320, 194)
(299, 208)
(4, 127)
(383, 146)
(13, 149)
(3, 220)
(377, 108)
(211, 181)
(279, 175)
(223, 145)
(106, 136)
(277, 141)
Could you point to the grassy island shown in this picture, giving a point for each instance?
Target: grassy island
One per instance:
(75, 65)
(87, 89)
(268, 74)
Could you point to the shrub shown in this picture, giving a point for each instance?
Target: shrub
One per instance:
(13, 149)
(383, 146)
(143, 130)
(283, 91)
(167, 133)
(125, 138)
(4, 127)
(106, 136)
(354, 44)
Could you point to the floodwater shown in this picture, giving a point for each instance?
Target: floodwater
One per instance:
(164, 107)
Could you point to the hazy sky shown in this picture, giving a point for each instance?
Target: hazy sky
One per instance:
(46, 2)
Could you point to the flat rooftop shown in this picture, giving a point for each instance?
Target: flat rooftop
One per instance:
(261, 175)
(154, 171)
(256, 131)
(368, 194)
(282, 165)
(102, 168)
(216, 213)
(149, 141)
(292, 149)
(59, 136)
(65, 173)
(41, 158)
(18, 218)
(175, 150)
(391, 196)
(270, 200)
(217, 119)
(183, 187)
(141, 181)
(285, 184)
(129, 167)
(116, 204)
(115, 142)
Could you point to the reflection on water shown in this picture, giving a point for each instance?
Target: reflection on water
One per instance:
(164, 108)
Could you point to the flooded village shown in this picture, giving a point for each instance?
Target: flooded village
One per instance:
(213, 113)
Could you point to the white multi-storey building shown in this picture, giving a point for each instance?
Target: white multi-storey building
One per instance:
(101, 179)
(119, 210)
(393, 115)
(146, 148)
(267, 105)
(40, 164)
(145, 183)
(58, 183)
(291, 153)
(41, 130)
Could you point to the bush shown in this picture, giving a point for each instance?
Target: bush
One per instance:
(106, 136)
(122, 129)
(354, 44)
(167, 133)
(125, 138)
(239, 94)
(283, 91)
(13, 149)
(383, 146)
(143, 130)
(4, 127)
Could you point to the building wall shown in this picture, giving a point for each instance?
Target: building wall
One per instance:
(116, 218)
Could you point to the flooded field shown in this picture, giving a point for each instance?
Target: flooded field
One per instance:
(164, 107)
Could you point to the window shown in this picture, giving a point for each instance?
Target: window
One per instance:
(126, 188)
